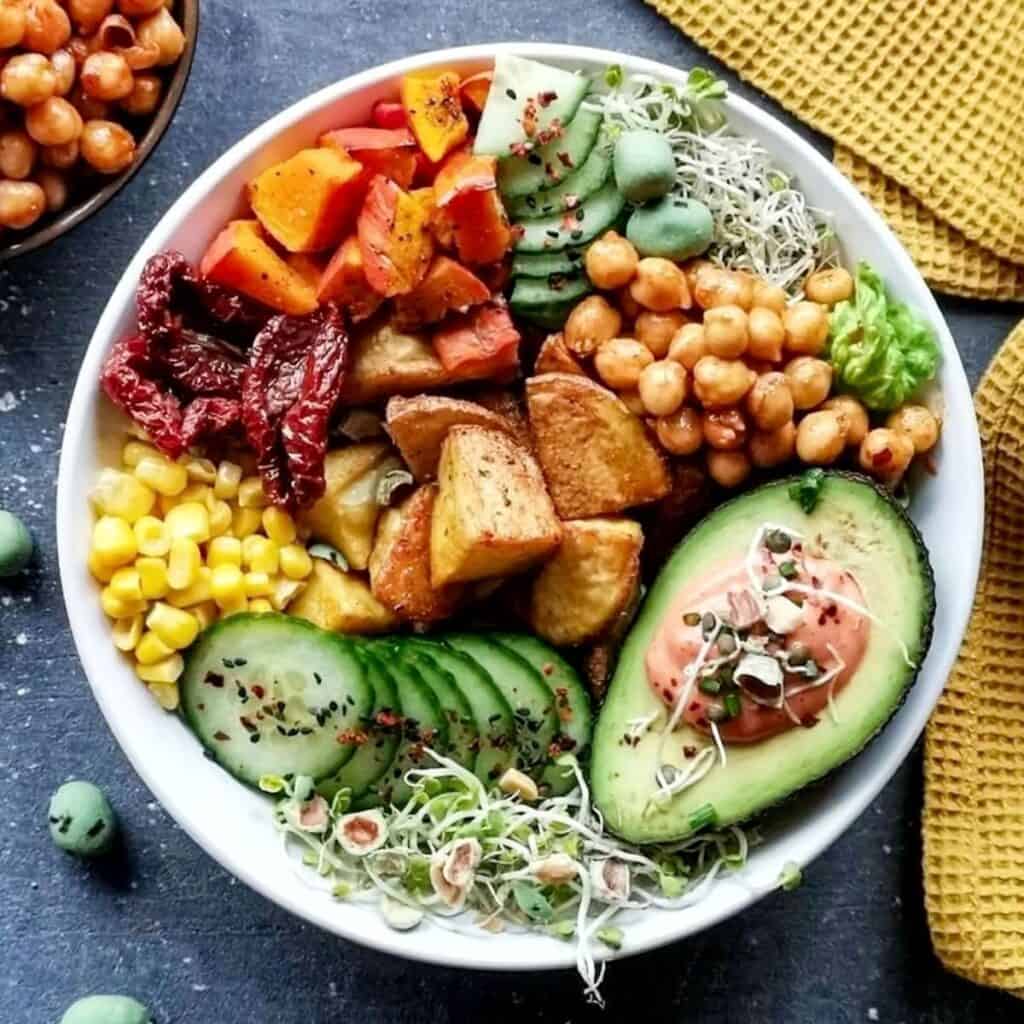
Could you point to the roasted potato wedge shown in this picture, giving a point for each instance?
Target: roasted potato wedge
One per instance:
(508, 405)
(400, 563)
(600, 659)
(386, 361)
(583, 588)
(341, 602)
(419, 425)
(493, 515)
(596, 455)
(554, 357)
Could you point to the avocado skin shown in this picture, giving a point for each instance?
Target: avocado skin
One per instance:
(927, 616)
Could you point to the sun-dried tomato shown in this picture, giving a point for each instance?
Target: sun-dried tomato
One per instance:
(202, 363)
(211, 420)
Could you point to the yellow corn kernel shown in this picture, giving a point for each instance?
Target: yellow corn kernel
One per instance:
(166, 695)
(151, 649)
(220, 517)
(234, 607)
(175, 627)
(259, 605)
(195, 594)
(166, 671)
(166, 478)
(152, 577)
(164, 504)
(224, 551)
(285, 591)
(258, 584)
(99, 568)
(201, 471)
(229, 475)
(117, 607)
(295, 562)
(196, 492)
(227, 586)
(126, 584)
(250, 493)
(126, 632)
(245, 522)
(113, 541)
(206, 613)
(278, 526)
(151, 537)
(120, 494)
(183, 564)
(260, 555)
(188, 521)
(135, 451)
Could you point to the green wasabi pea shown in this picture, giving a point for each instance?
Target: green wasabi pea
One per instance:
(82, 821)
(673, 227)
(15, 544)
(644, 166)
(106, 1010)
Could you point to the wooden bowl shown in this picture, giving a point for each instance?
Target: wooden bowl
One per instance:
(85, 205)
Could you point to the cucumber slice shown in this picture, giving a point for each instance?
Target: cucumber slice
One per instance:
(538, 300)
(577, 228)
(268, 695)
(383, 733)
(551, 164)
(492, 712)
(579, 186)
(533, 706)
(542, 264)
(518, 81)
(550, 318)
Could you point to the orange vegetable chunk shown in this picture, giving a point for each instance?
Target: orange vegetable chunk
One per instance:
(466, 190)
(395, 236)
(310, 200)
(344, 282)
(241, 258)
(475, 89)
(448, 286)
(307, 266)
(432, 104)
(482, 344)
(391, 152)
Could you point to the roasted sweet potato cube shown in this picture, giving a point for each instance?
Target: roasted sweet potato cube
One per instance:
(309, 201)
(309, 266)
(475, 90)
(386, 361)
(400, 563)
(596, 455)
(391, 152)
(482, 345)
(395, 236)
(344, 281)
(434, 109)
(448, 287)
(493, 515)
(554, 357)
(341, 602)
(466, 194)
(582, 589)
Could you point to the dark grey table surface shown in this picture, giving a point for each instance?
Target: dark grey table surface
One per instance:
(164, 921)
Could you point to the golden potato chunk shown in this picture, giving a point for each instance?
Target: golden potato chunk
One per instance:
(386, 361)
(596, 455)
(400, 563)
(579, 593)
(341, 602)
(554, 357)
(419, 425)
(493, 515)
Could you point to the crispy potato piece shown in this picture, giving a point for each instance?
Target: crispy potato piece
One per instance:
(600, 660)
(337, 517)
(596, 455)
(581, 590)
(386, 361)
(554, 357)
(419, 425)
(493, 515)
(341, 602)
(400, 563)
(507, 404)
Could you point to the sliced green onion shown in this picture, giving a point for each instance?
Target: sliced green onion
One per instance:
(790, 877)
(710, 685)
(611, 937)
(704, 816)
(732, 705)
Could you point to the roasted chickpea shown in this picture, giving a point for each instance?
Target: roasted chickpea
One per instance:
(21, 203)
(769, 448)
(628, 306)
(820, 438)
(660, 285)
(719, 383)
(162, 29)
(886, 453)
(770, 296)
(809, 381)
(54, 187)
(54, 122)
(90, 109)
(633, 402)
(662, 387)
(12, 23)
(106, 146)
(725, 429)
(61, 157)
(852, 415)
(64, 64)
(726, 332)
(656, 330)
(611, 261)
(770, 402)
(681, 433)
(17, 155)
(718, 287)
(918, 424)
(729, 469)
(144, 97)
(47, 26)
(620, 362)
(688, 345)
(138, 8)
(806, 326)
(767, 334)
(28, 79)
(692, 270)
(106, 77)
(87, 14)
(829, 286)
(591, 323)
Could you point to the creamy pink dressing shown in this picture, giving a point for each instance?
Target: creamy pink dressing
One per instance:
(825, 623)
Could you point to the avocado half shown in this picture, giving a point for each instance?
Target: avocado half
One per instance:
(866, 531)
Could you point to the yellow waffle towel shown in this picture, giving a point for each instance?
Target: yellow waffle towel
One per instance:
(925, 101)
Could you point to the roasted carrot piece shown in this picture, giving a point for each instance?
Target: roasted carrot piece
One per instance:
(432, 104)
(395, 237)
(448, 286)
(466, 190)
(391, 152)
(474, 90)
(483, 343)
(307, 266)
(344, 281)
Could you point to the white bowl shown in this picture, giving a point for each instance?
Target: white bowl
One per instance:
(232, 823)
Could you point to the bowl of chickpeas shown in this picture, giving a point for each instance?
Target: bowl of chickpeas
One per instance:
(87, 89)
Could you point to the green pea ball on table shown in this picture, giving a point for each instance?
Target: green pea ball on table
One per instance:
(644, 166)
(82, 821)
(15, 544)
(107, 1010)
